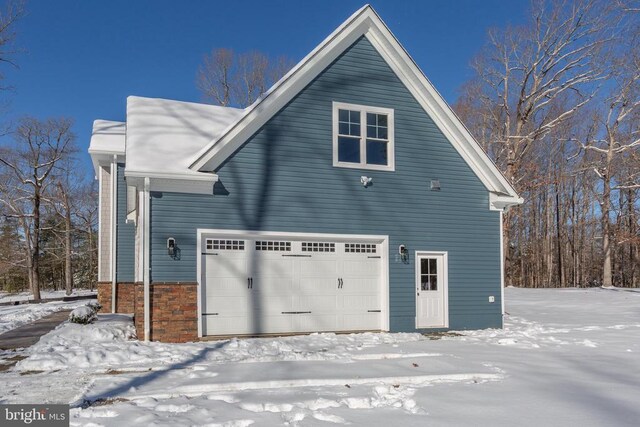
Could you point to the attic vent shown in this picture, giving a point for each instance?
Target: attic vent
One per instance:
(435, 185)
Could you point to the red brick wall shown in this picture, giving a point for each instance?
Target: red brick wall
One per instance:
(174, 312)
(138, 316)
(104, 296)
(124, 297)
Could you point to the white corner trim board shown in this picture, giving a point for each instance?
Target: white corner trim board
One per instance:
(114, 230)
(365, 22)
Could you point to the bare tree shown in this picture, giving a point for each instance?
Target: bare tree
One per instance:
(86, 223)
(26, 174)
(9, 15)
(532, 79)
(616, 133)
(230, 79)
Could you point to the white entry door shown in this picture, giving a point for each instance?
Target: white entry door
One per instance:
(431, 290)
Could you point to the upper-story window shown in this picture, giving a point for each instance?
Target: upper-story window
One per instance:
(362, 137)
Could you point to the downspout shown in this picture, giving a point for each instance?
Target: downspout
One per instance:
(114, 219)
(502, 265)
(146, 267)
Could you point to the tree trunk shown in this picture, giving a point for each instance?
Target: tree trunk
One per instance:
(68, 270)
(90, 268)
(35, 246)
(607, 279)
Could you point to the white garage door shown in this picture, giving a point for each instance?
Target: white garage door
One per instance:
(253, 286)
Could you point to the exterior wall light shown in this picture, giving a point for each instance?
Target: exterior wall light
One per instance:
(366, 181)
(404, 253)
(171, 247)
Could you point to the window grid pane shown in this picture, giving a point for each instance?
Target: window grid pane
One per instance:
(214, 244)
(349, 123)
(318, 247)
(365, 248)
(377, 126)
(265, 245)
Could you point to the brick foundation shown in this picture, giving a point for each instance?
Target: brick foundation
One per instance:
(174, 311)
(124, 297)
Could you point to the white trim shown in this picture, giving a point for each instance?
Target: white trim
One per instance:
(383, 240)
(174, 183)
(147, 268)
(501, 202)
(140, 232)
(445, 281)
(114, 230)
(364, 22)
(364, 109)
(200, 278)
(502, 265)
(100, 201)
(104, 158)
(201, 176)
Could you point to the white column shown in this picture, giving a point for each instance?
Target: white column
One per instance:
(114, 219)
(146, 240)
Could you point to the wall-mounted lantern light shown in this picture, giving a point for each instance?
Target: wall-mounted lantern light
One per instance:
(404, 253)
(171, 246)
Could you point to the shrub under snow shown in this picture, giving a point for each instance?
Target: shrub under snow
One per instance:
(83, 315)
(95, 306)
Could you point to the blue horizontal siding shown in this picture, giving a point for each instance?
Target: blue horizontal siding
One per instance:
(282, 179)
(125, 242)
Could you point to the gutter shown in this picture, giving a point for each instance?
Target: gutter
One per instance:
(114, 229)
(146, 268)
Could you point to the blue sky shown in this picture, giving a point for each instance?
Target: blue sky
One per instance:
(82, 59)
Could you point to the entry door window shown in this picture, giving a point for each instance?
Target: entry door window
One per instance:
(428, 274)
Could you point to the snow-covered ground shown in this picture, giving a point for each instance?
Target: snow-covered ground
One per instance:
(13, 316)
(24, 296)
(565, 357)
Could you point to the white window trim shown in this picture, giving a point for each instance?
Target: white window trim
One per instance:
(364, 109)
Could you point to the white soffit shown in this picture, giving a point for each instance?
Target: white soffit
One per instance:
(365, 22)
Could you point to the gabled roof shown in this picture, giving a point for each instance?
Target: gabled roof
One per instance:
(163, 135)
(365, 22)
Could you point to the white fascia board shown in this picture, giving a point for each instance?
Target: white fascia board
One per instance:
(203, 176)
(364, 22)
(440, 112)
(173, 183)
